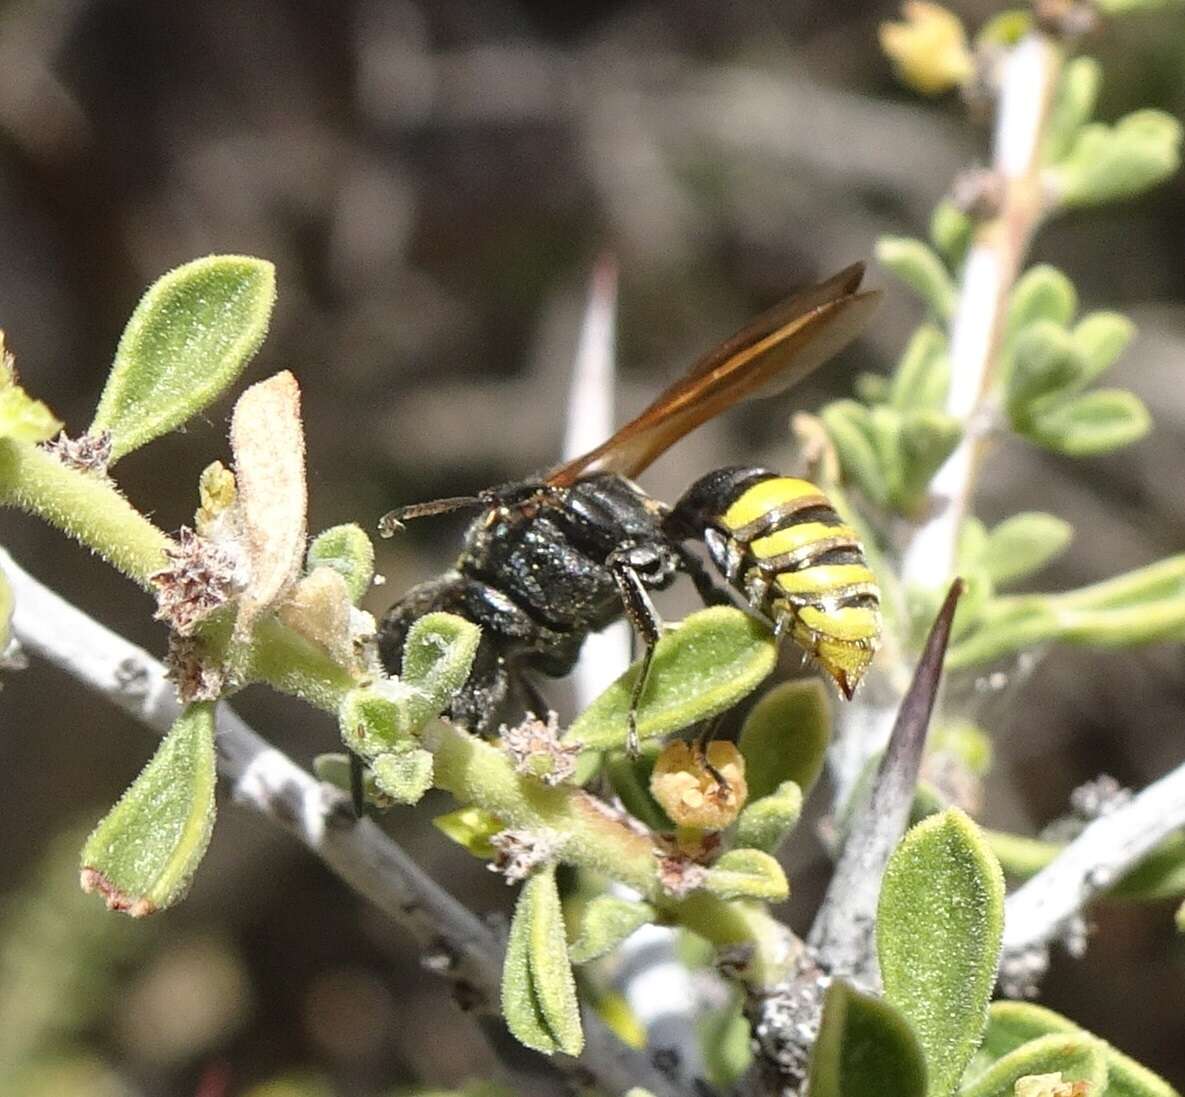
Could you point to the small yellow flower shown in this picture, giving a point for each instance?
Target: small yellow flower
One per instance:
(929, 49)
(688, 790)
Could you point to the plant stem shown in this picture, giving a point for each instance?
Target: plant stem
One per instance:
(263, 779)
(83, 505)
(1093, 862)
(1028, 82)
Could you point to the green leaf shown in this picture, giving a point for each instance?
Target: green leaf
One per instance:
(21, 417)
(922, 377)
(939, 924)
(767, 822)
(785, 737)
(520, 1001)
(334, 769)
(437, 656)
(1108, 163)
(630, 780)
(1073, 106)
(950, 232)
(404, 776)
(1161, 875)
(850, 426)
(1179, 918)
(188, 340)
(920, 269)
(605, 922)
(1096, 422)
(1077, 1057)
(1012, 1025)
(928, 438)
(472, 828)
(378, 719)
(1023, 544)
(1042, 293)
(706, 665)
(726, 1040)
(865, 1048)
(970, 744)
(1126, 7)
(748, 874)
(1100, 338)
(349, 552)
(1044, 362)
(143, 854)
(538, 990)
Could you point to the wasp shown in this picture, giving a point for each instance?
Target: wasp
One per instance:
(552, 559)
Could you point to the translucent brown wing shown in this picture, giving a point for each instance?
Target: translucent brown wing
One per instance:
(775, 351)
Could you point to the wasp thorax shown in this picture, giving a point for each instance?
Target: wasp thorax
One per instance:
(700, 787)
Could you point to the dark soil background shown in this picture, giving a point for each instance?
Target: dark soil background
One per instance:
(434, 180)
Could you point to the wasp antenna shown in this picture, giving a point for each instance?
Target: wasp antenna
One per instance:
(393, 521)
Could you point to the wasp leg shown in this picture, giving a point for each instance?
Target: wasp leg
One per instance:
(702, 741)
(537, 704)
(711, 593)
(647, 624)
(357, 788)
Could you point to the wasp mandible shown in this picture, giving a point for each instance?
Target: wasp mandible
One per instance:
(552, 559)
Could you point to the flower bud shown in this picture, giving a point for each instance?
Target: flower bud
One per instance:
(929, 48)
(690, 793)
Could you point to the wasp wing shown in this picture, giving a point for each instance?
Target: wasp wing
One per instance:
(774, 352)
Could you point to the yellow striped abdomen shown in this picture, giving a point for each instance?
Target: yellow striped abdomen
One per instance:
(801, 565)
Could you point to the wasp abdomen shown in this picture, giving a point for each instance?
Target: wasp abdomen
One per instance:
(783, 545)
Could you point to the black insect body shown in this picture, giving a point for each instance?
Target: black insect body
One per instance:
(549, 561)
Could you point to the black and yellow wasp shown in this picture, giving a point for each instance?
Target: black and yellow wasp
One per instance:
(551, 560)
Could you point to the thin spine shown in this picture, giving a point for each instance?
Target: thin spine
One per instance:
(656, 986)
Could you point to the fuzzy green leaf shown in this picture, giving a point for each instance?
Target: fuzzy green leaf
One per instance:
(1045, 361)
(143, 854)
(785, 737)
(349, 552)
(950, 232)
(1108, 163)
(748, 874)
(437, 656)
(404, 776)
(1126, 7)
(922, 376)
(334, 769)
(1160, 875)
(850, 426)
(1023, 544)
(188, 340)
(538, 990)
(1073, 106)
(1077, 1057)
(1012, 1025)
(1042, 293)
(726, 1039)
(605, 922)
(920, 269)
(706, 665)
(472, 828)
(520, 1000)
(767, 822)
(1100, 338)
(865, 1048)
(21, 417)
(630, 780)
(1095, 422)
(939, 923)
(928, 438)
(378, 720)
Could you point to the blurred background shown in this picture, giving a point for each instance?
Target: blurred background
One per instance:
(434, 180)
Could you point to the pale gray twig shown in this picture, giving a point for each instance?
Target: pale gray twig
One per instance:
(1036, 912)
